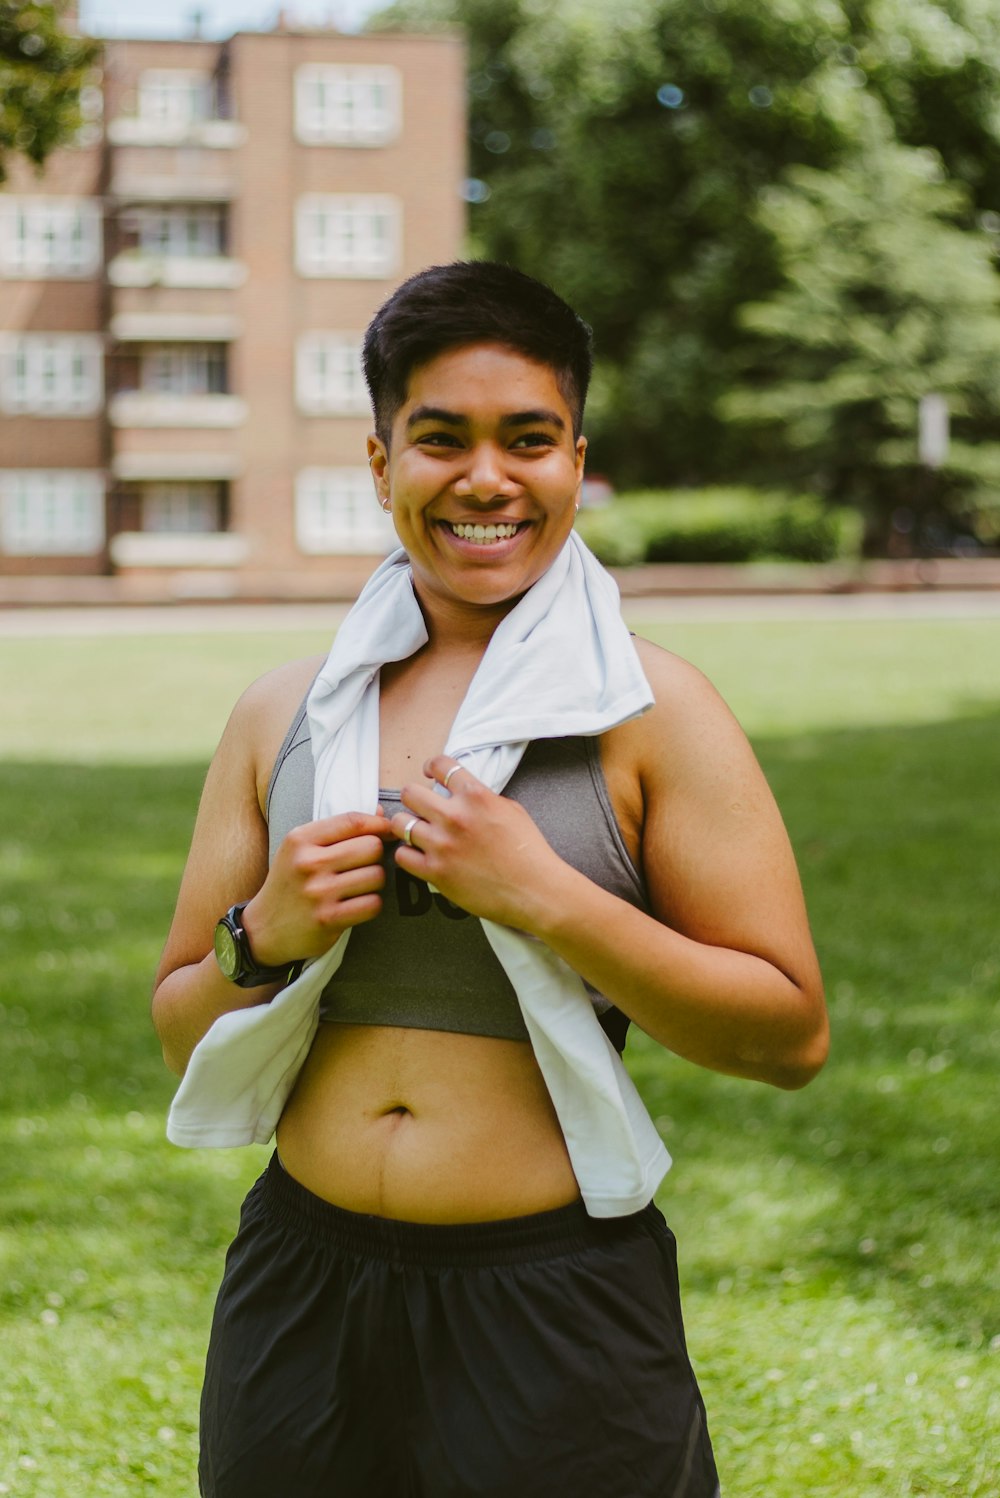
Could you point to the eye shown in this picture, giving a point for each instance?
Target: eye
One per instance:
(533, 439)
(438, 439)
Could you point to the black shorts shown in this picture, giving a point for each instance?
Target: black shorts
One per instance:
(360, 1357)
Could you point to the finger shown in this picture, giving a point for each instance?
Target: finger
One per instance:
(405, 825)
(346, 825)
(412, 859)
(418, 800)
(449, 773)
(353, 882)
(334, 858)
(359, 852)
(337, 902)
(363, 908)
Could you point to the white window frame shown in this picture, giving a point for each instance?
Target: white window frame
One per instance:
(181, 509)
(347, 106)
(49, 238)
(51, 374)
(91, 112)
(51, 512)
(182, 231)
(181, 369)
(336, 513)
(175, 98)
(349, 235)
(329, 380)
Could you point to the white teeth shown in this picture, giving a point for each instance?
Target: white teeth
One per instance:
(483, 535)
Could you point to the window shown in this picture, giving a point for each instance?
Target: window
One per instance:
(175, 97)
(338, 234)
(49, 238)
(181, 230)
(50, 374)
(182, 509)
(91, 111)
(336, 106)
(336, 511)
(328, 377)
(184, 369)
(51, 512)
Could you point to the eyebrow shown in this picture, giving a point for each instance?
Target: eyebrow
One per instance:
(542, 416)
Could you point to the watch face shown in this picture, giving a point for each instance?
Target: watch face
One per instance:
(226, 952)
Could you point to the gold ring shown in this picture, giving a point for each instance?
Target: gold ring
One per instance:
(408, 829)
(449, 775)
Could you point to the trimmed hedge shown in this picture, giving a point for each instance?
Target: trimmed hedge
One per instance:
(718, 525)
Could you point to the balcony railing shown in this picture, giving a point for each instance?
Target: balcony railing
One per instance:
(145, 408)
(175, 549)
(134, 130)
(151, 467)
(175, 187)
(137, 268)
(175, 327)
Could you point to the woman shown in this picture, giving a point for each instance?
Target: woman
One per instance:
(432, 1292)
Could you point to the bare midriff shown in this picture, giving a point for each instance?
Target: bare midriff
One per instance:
(425, 1126)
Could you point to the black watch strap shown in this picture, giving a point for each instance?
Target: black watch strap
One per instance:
(235, 959)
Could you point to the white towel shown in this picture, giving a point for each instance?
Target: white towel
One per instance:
(560, 664)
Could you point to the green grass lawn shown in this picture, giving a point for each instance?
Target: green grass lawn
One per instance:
(838, 1245)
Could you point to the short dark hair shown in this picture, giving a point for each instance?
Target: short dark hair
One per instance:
(473, 301)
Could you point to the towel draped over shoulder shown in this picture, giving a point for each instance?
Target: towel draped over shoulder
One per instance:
(560, 664)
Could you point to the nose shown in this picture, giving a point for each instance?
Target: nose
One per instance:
(485, 475)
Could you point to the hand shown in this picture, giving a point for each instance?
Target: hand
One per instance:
(326, 876)
(481, 850)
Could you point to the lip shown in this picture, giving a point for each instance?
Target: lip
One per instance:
(481, 519)
(484, 551)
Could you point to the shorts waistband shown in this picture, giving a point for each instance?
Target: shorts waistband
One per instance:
(509, 1240)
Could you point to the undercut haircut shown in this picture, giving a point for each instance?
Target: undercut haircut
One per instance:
(469, 302)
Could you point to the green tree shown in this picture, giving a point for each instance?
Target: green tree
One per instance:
(42, 72)
(936, 68)
(620, 152)
(884, 300)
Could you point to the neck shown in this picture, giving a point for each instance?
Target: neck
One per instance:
(457, 627)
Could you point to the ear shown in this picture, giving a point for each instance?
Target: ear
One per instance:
(581, 451)
(378, 462)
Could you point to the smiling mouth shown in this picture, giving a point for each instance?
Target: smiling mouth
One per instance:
(484, 534)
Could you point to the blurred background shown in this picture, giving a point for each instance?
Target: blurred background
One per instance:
(782, 220)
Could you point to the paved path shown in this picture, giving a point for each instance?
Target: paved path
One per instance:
(272, 617)
(932, 604)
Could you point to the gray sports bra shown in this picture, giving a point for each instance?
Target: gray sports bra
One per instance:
(425, 963)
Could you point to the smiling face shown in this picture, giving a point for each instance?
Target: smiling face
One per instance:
(483, 474)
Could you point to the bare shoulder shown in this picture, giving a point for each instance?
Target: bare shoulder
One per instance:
(717, 858)
(675, 682)
(690, 728)
(263, 715)
(280, 688)
(650, 761)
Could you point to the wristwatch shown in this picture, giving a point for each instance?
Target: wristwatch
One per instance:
(235, 959)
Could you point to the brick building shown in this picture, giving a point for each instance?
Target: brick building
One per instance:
(182, 296)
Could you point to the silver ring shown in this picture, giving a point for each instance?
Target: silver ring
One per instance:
(449, 775)
(408, 829)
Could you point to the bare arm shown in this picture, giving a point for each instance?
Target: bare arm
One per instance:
(325, 877)
(724, 971)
